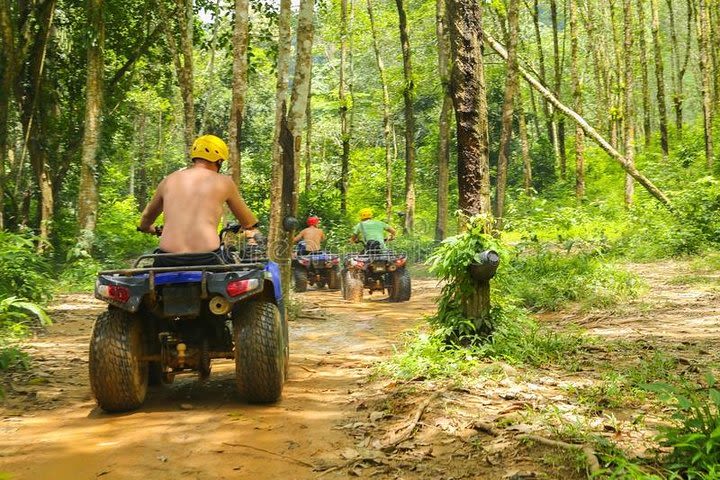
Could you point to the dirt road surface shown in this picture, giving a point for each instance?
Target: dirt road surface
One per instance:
(50, 427)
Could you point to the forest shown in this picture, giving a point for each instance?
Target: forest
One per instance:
(578, 139)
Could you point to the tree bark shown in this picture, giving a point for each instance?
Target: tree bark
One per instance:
(589, 131)
(88, 191)
(558, 124)
(703, 28)
(577, 84)
(344, 107)
(468, 90)
(628, 107)
(679, 65)
(543, 78)
(660, 79)
(211, 67)
(524, 145)
(409, 97)
(387, 125)
(642, 50)
(308, 140)
(239, 86)
(443, 153)
(511, 86)
(8, 67)
(602, 68)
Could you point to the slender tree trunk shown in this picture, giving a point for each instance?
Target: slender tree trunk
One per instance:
(344, 107)
(589, 131)
(543, 78)
(443, 153)
(468, 91)
(628, 113)
(7, 80)
(703, 28)
(511, 86)
(239, 86)
(409, 96)
(577, 83)
(88, 194)
(387, 125)
(558, 123)
(210, 73)
(601, 63)
(660, 79)
(714, 13)
(647, 132)
(617, 72)
(678, 62)
(308, 139)
(524, 145)
(278, 248)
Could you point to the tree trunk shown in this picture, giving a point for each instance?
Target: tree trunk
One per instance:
(211, 68)
(344, 106)
(387, 125)
(558, 124)
(602, 69)
(715, 49)
(511, 86)
(409, 96)
(277, 248)
(308, 140)
(468, 90)
(577, 84)
(543, 77)
(589, 131)
(88, 191)
(524, 146)
(443, 153)
(679, 65)
(7, 81)
(660, 79)
(703, 28)
(239, 86)
(628, 108)
(647, 132)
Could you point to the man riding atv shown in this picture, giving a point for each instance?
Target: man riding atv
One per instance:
(310, 238)
(371, 232)
(192, 202)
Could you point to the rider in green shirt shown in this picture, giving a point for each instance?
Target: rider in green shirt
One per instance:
(371, 232)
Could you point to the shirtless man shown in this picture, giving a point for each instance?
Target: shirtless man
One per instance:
(192, 200)
(312, 235)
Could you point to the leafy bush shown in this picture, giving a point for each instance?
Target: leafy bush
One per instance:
(23, 272)
(117, 240)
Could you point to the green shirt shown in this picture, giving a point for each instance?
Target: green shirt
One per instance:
(371, 230)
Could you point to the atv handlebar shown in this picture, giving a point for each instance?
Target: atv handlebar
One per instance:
(158, 230)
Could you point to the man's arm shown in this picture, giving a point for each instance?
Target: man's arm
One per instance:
(391, 230)
(299, 236)
(239, 208)
(152, 210)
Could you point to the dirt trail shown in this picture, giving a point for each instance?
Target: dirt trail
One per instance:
(50, 427)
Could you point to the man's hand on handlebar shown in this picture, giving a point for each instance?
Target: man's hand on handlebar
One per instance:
(152, 229)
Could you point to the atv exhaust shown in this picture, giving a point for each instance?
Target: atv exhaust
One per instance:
(219, 305)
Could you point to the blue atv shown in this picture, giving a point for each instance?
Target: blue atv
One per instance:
(163, 321)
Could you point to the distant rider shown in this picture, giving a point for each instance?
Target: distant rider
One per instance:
(371, 232)
(192, 201)
(311, 238)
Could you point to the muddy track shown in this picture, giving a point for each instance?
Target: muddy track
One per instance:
(50, 426)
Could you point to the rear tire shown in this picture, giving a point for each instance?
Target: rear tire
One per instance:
(260, 351)
(118, 376)
(301, 279)
(352, 288)
(333, 279)
(401, 286)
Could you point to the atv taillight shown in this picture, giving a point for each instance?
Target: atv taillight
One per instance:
(400, 262)
(238, 287)
(335, 261)
(304, 261)
(357, 263)
(115, 292)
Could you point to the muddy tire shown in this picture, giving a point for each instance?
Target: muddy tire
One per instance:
(352, 288)
(401, 289)
(260, 351)
(118, 376)
(301, 279)
(333, 279)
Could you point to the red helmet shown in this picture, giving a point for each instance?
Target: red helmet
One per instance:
(313, 221)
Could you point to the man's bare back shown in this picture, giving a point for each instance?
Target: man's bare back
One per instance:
(313, 237)
(192, 201)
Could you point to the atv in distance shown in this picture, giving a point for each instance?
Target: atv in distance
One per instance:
(315, 268)
(165, 321)
(378, 271)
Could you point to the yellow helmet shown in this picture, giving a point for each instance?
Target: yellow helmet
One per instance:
(210, 148)
(366, 213)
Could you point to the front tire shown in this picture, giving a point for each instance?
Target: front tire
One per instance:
(260, 351)
(118, 376)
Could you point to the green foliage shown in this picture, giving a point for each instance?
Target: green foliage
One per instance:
(23, 272)
(117, 239)
(694, 435)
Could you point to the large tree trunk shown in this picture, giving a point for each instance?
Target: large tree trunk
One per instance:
(239, 86)
(278, 249)
(660, 78)
(511, 86)
(409, 96)
(524, 145)
(443, 153)
(387, 125)
(344, 107)
(468, 91)
(628, 108)
(575, 72)
(647, 133)
(589, 131)
(703, 28)
(8, 67)
(88, 191)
